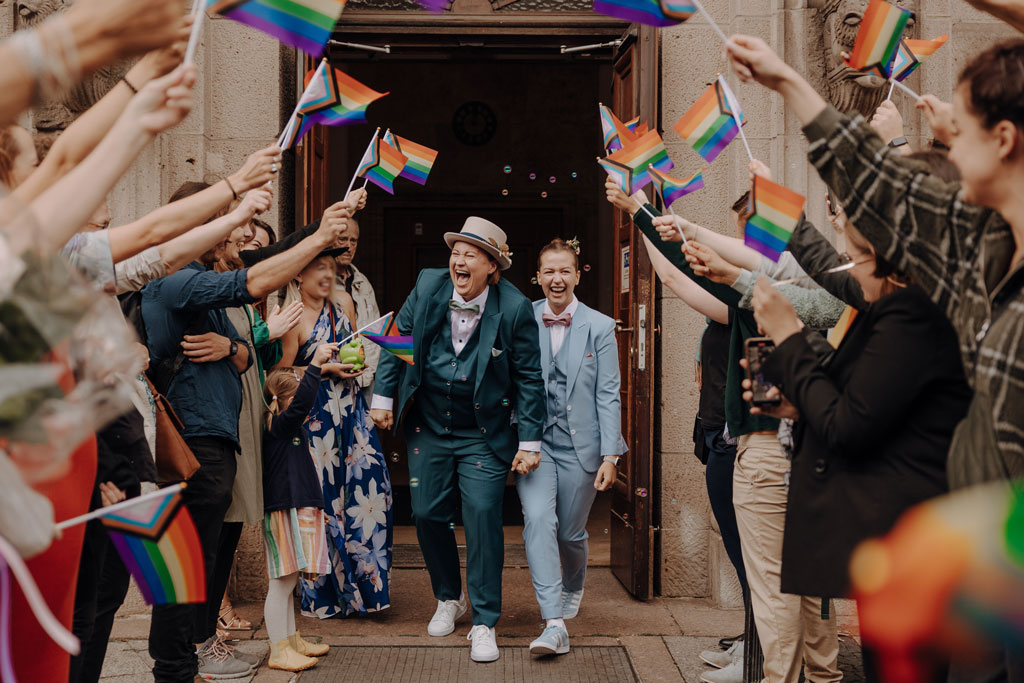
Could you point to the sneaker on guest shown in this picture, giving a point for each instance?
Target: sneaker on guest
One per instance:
(720, 660)
(729, 674)
(571, 603)
(484, 647)
(553, 641)
(217, 662)
(252, 660)
(448, 611)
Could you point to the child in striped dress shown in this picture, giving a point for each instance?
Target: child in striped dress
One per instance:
(294, 532)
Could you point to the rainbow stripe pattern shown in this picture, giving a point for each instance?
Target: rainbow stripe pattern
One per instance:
(158, 543)
(670, 189)
(420, 159)
(913, 53)
(629, 166)
(616, 133)
(303, 24)
(775, 213)
(381, 164)
(386, 335)
(335, 99)
(709, 126)
(649, 12)
(878, 38)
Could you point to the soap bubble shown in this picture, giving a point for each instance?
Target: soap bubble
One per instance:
(533, 176)
(394, 457)
(552, 179)
(505, 402)
(543, 195)
(451, 525)
(574, 174)
(508, 169)
(416, 451)
(479, 463)
(606, 531)
(642, 493)
(586, 268)
(417, 430)
(533, 280)
(414, 482)
(504, 193)
(463, 378)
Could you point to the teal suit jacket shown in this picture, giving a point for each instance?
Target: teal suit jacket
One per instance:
(508, 374)
(592, 388)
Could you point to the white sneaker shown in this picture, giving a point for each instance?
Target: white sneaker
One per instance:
(719, 659)
(730, 674)
(571, 603)
(448, 611)
(485, 648)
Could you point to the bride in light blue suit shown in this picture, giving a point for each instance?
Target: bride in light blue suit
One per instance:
(581, 446)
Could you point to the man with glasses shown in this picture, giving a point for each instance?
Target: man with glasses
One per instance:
(353, 283)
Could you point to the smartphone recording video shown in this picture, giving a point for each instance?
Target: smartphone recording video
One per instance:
(758, 351)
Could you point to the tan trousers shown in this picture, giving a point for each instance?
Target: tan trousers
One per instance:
(790, 627)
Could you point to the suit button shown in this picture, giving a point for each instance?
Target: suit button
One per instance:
(447, 429)
(483, 430)
(477, 406)
(820, 466)
(448, 383)
(454, 363)
(572, 431)
(447, 413)
(568, 408)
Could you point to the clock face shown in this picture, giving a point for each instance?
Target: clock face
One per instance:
(474, 123)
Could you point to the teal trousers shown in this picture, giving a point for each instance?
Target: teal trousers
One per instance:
(438, 467)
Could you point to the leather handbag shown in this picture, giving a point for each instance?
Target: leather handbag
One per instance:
(175, 461)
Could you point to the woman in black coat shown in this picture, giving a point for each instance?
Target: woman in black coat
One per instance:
(873, 420)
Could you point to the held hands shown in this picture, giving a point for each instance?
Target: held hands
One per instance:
(206, 348)
(163, 102)
(784, 411)
(706, 262)
(618, 198)
(323, 354)
(605, 476)
(940, 117)
(384, 419)
(525, 462)
(259, 169)
(887, 122)
(110, 494)
(774, 314)
(753, 60)
(281, 320)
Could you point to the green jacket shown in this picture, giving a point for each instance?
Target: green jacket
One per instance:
(508, 373)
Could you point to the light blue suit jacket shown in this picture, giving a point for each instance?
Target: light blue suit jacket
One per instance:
(593, 408)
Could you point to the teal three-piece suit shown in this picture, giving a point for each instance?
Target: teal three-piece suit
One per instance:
(457, 413)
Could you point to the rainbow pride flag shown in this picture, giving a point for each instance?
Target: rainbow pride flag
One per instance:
(435, 5)
(670, 189)
(381, 164)
(303, 24)
(333, 98)
(709, 126)
(158, 543)
(629, 166)
(420, 159)
(878, 38)
(385, 334)
(649, 12)
(775, 212)
(616, 133)
(913, 53)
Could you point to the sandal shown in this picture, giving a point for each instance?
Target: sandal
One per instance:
(229, 619)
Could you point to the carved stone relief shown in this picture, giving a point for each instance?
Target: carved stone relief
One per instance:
(850, 90)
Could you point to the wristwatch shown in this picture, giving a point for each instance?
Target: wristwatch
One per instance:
(898, 142)
(613, 459)
(234, 349)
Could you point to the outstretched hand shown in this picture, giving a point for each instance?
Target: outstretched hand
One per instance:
(259, 169)
(164, 102)
(706, 262)
(753, 60)
(773, 312)
(619, 199)
(887, 122)
(281, 320)
(255, 202)
(939, 115)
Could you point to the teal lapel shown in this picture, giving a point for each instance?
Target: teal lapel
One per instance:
(435, 313)
(488, 333)
(577, 346)
(545, 342)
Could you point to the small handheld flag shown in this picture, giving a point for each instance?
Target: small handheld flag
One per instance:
(775, 211)
(629, 165)
(671, 189)
(381, 164)
(384, 333)
(616, 133)
(912, 53)
(878, 38)
(303, 24)
(709, 126)
(420, 159)
(649, 12)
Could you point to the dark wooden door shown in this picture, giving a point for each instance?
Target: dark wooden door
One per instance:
(314, 165)
(634, 92)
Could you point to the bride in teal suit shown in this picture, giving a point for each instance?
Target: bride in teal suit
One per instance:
(581, 445)
(477, 362)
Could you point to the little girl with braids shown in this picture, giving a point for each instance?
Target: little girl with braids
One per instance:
(294, 534)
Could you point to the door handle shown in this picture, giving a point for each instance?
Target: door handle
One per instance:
(619, 328)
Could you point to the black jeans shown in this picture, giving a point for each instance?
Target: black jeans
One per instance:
(206, 620)
(208, 496)
(718, 476)
(102, 586)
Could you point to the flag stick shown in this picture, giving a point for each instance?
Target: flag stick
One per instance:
(892, 87)
(678, 227)
(198, 14)
(60, 635)
(321, 66)
(734, 106)
(131, 502)
(718, 29)
(355, 175)
(363, 329)
(906, 89)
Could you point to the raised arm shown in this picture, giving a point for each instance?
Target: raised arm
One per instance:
(815, 254)
(692, 294)
(1010, 11)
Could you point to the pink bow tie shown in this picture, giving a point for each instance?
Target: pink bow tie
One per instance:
(549, 320)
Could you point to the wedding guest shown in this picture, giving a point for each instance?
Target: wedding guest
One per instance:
(581, 446)
(477, 359)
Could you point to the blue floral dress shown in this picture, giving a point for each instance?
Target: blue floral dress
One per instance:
(357, 490)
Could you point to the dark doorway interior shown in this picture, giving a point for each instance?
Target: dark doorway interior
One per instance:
(517, 140)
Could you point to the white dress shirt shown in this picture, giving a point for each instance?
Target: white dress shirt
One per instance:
(464, 323)
(558, 332)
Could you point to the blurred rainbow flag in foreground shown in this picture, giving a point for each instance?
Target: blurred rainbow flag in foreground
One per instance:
(913, 53)
(709, 125)
(670, 189)
(629, 166)
(303, 24)
(384, 333)
(775, 213)
(878, 38)
(158, 543)
(649, 12)
(948, 578)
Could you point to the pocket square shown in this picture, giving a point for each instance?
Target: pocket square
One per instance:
(496, 352)
(589, 355)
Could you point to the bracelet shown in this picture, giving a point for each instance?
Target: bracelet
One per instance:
(135, 91)
(232, 188)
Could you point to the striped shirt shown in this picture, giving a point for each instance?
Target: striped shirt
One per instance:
(961, 254)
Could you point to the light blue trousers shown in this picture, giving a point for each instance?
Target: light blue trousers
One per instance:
(556, 499)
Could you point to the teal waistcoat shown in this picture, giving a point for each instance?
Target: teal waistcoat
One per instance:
(449, 381)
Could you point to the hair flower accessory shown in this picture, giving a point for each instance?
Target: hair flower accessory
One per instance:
(574, 244)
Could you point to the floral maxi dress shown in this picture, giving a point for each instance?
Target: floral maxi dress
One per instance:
(357, 490)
